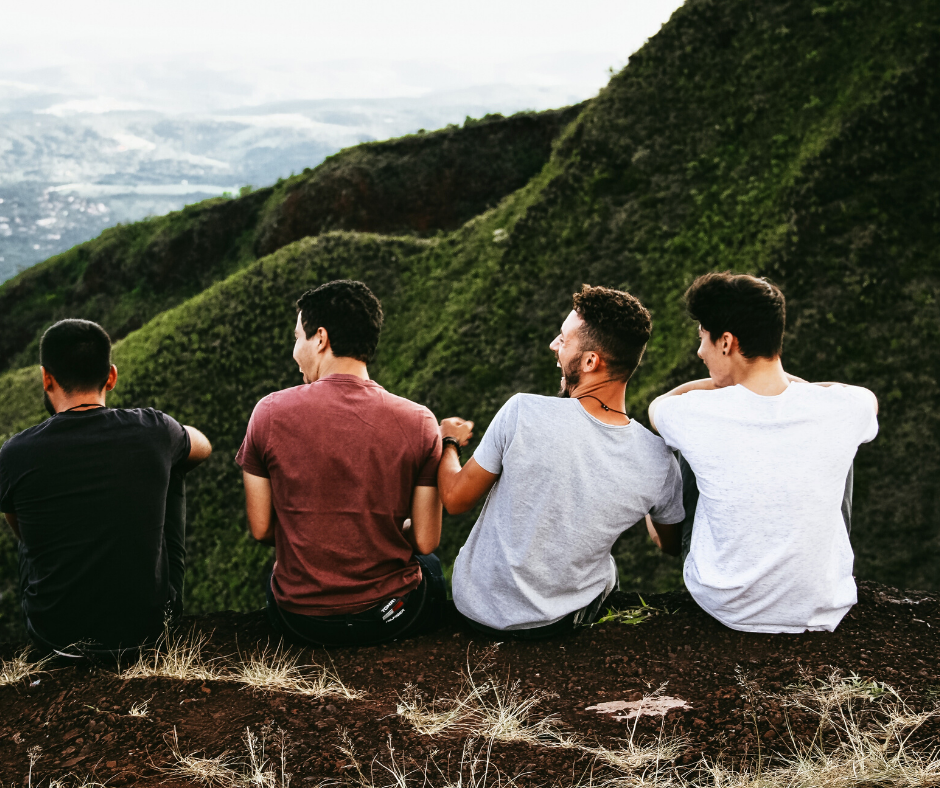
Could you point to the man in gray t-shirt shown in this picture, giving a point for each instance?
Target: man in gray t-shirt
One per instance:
(565, 476)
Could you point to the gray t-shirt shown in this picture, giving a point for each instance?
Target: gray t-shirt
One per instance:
(569, 486)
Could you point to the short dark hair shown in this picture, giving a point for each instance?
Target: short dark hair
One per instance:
(750, 308)
(350, 313)
(617, 326)
(77, 353)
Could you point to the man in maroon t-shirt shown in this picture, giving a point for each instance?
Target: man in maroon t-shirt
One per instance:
(341, 476)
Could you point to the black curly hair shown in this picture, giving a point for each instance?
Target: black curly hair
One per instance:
(350, 313)
(617, 327)
(751, 309)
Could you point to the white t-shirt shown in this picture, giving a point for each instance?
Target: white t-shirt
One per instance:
(569, 485)
(770, 551)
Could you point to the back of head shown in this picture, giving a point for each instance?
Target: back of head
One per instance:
(77, 353)
(749, 308)
(617, 326)
(350, 313)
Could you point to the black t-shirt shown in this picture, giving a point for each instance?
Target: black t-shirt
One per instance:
(89, 489)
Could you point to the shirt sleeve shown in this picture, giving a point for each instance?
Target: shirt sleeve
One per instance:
(496, 440)
(251, 454)
(669, 421)
(431, 438)
(669, 509)
(867, 417)
(180, 443)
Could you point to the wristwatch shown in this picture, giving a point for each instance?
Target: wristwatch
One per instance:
(452, 442)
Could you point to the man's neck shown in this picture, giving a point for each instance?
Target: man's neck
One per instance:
(611, 393)
(764, 376)
(69, 401)
(343, 365)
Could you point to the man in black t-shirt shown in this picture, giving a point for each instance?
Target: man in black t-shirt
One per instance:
(96, 498)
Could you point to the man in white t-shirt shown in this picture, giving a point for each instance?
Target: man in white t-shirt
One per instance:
(771, 455)
(564, 477)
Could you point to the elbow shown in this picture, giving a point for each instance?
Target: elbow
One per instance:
(454, 505)
(426, 546)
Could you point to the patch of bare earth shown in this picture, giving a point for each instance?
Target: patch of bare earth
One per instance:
(676, 699)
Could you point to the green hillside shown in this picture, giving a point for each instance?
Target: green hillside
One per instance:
(792, 139)
(417, 184)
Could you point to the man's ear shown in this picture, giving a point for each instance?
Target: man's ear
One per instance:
(48, 382)
(323, 338)
(728, 344)
(112, 378)
(591, 362)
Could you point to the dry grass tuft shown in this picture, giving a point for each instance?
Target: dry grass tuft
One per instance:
(176, 656)
(254, 769)
(483, 707)
(474, 770)
(15, 670)
(281, 671)
(140, 709)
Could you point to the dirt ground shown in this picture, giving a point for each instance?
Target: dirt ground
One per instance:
(76, 722)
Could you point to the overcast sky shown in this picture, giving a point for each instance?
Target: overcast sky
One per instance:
(289, 49)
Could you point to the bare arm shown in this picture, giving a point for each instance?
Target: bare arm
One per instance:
(705, 384)
(461, 488)
(199, 448)
(259, 505)
(14, 525)
(423, 530)
(667, 537)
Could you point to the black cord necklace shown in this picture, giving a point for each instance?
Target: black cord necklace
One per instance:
(86, 405)
(610, 410)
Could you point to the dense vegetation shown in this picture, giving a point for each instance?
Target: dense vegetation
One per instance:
(791, 138)
(418, 184)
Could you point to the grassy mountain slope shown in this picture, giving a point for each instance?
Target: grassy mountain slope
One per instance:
(418, 184)
(790, 139)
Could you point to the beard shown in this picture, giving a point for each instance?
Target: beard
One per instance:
(48, 404)
(572, 376)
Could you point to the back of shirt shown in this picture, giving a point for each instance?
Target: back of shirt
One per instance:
(569, 485)
(88, 489)
(344, 457)
(770, 551)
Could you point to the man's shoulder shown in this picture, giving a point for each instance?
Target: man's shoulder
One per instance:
(405, 405)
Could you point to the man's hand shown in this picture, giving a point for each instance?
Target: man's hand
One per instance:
(667, 538)
(457, 428)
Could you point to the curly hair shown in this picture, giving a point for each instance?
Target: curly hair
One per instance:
(350, 313)
(751, 309)
(617, 326)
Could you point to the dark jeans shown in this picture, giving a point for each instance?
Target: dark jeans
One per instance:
(565, 626)
(415, 613)
(690, 502)
(174, 531)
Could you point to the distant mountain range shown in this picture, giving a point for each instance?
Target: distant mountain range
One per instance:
(72, 166)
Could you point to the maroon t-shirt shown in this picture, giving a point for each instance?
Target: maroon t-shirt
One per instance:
(344, 457)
